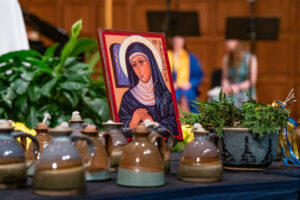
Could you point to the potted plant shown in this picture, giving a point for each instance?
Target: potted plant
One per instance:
(32, 84)
(248, 136)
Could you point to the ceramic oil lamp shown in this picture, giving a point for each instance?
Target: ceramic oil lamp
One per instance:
(76, 123)
(200, 161)
(99, 168)
(170, 141)
(13, 165)
(43, 138)
(60, 169)
(141, 164)
(119, 141)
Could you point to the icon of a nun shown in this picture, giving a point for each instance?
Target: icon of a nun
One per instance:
(148, 98)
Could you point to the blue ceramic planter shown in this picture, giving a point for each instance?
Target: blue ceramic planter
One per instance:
(243, 150)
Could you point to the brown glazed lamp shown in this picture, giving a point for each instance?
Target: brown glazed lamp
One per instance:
(200, 161)
(141, 164)
(115, 130)
(99, 168)
(43, 138)
(59, 169)
(169, 143)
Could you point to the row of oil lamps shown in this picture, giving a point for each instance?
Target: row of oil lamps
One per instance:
(63, 158)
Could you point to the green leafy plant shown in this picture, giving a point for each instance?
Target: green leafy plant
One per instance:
(217, 114)
(263, 119)
(32, 84)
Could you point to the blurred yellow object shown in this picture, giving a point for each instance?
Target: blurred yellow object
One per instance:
(187, 133)
(290, 127)
(275, 104)
(22, 127)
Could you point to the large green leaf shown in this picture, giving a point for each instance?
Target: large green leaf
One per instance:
(71, 61)
(23, 54)
(3, 87)
(68, 48)
(78, 78)
(2, 111)
(73, 98)
(50, 51)
(27, 75)
(20, 86)
(9, 97)
(93, 60)
(22, 103)
(34, 93)
(71, 85)
(32, 119)
(11, 77)
(82, 45)
(46, 89)
(98, 106)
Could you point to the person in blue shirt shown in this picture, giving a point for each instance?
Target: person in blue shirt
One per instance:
(186, 73)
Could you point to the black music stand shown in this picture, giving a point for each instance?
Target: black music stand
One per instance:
(266, 28)
(174, 23)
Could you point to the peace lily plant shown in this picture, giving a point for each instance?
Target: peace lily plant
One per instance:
(32, 84)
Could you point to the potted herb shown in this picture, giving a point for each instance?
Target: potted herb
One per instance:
(248, 136)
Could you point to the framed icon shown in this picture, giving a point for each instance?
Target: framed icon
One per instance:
(138, 79)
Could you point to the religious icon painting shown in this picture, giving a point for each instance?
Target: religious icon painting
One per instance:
(138, 79)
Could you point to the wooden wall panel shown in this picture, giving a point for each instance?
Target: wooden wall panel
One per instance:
(228, 8)
(76, 9)
(44, 9)
(121, 15)
(47, 10)
(271, 89)
(100, 14)
(274, 58)
(139, 13)
(276, 8)
(279, 61)
(297, 56)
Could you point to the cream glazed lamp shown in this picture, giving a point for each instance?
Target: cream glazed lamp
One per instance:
(200, 161)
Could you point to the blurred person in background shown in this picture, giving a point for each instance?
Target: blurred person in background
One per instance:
(239, 72)
(186, 73)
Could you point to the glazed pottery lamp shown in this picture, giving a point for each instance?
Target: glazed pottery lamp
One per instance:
(118, 141)
(100, 164)
(200, 161)
(60, 169)
(141, 164)
(13, 165)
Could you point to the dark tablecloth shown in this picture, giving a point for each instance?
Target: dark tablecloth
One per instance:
(278, 168)
(235, 185)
